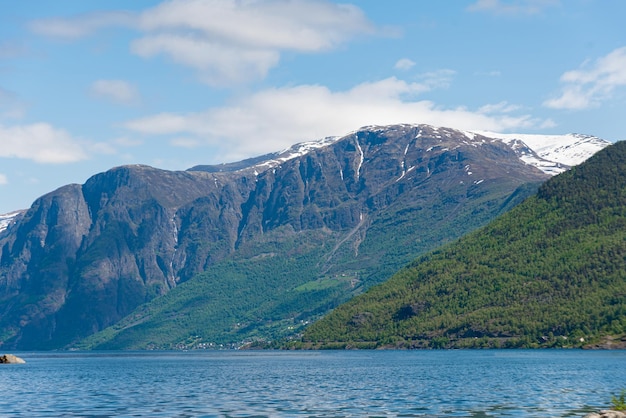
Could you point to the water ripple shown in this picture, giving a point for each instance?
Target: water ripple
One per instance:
(517, 383)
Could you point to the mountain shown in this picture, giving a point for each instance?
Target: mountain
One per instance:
(551, 272)
(255, 249)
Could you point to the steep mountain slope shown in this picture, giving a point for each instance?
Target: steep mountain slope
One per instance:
(324, 226)
(85, 256)
(550, 272)
(278, 239)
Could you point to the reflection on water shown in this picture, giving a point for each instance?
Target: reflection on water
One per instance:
(491, 383)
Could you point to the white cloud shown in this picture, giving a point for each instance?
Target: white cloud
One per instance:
(512, 7)
(3, 179)
(404, 64)
(117, 91)
(276, 118)
(592, 84)
(300, 25)
(217, 63)
(41, 143)
(80, 26)
(230, 41)
(226, 41)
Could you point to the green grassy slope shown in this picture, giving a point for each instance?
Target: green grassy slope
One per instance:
(551, 272)
(239, 299)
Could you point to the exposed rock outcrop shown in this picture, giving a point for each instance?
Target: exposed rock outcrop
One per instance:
(607, 414)
(11, 359)
(609, 342)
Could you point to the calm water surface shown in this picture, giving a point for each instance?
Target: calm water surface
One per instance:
(490, 383)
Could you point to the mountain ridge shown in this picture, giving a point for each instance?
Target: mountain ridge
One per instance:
(549, 151)
(85, 256)
(548, 158)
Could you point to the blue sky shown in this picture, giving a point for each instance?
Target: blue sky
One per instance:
(90, 85)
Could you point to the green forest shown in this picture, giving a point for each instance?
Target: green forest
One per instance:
(549, 273)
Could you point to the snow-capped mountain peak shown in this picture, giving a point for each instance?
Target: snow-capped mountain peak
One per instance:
(552, 154)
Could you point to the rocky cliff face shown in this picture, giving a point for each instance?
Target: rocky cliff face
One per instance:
(84, 256)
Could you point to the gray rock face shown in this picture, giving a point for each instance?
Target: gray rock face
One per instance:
(84, 256)
(607, 414)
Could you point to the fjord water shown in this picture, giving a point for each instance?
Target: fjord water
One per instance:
(462, 383)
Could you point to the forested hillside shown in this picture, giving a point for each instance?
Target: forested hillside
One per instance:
(551, 272)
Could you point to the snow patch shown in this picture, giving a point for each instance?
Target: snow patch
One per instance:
(361, 157)
(295, 151)
(552, 154)
(470, 135)
(403, 172)
(8, 218)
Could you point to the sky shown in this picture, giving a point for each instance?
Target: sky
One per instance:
(90, 85)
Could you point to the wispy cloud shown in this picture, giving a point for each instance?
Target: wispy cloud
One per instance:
(6, 96)
(40, 142)
(3, 179)
(492, 73)
(127, 142)
(82, 25)
(218, 64)
(273, 119)
(117, 91)
(501, 107)
(437, 79)
(10, 105)
(512, 7)
(11, 49)
(592, 83)
(225, 41)
(185, 142)
(404, 64)
(101, 148)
